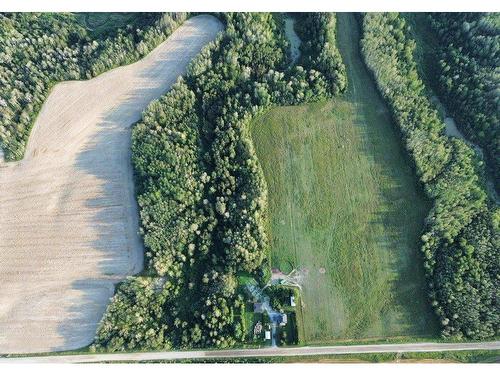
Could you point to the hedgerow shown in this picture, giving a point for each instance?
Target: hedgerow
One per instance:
(201, 190)
(460, 240)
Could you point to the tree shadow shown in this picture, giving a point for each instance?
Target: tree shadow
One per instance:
(405, 204)
(107, 158)
(402, 216)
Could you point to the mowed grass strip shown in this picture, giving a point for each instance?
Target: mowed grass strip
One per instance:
(345, 208)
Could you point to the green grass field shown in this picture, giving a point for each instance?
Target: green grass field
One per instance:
(102, 23)
(344, 206)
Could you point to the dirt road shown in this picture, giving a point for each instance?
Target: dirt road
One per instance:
(268, 352)
(68, 216)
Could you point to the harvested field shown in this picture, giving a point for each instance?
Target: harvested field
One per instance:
(68, 216)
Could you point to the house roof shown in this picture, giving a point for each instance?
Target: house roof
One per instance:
(281, 319)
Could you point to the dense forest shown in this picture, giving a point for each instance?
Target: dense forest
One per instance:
(469, 76)
(201, 191)
(319, 51)
(461, 237)
(37, 50)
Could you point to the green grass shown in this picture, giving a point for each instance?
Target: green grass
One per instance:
(100, 24)
(291, 330)
(478, 356)
(251, 320)
(466, 356)
(475, 356)
(245, 278)
(343, 197)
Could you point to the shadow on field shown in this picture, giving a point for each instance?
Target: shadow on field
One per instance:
(114, 221)
(106, 158)
(405, 205)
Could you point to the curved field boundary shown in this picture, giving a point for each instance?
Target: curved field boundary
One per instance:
(68, 216)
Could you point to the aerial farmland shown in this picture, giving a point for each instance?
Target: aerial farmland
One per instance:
(74, 218)
(249, 185)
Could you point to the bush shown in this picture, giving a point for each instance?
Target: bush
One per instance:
(280, 296)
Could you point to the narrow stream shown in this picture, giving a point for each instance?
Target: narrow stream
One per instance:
(293, 38)
(452, 130)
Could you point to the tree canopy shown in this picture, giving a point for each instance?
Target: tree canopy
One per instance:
(37, 50)
(201, 190)
(469, 77)
(461, 238)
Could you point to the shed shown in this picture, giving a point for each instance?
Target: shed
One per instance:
(282, 320)
(268, 335)
(292, 301)
(258, 308)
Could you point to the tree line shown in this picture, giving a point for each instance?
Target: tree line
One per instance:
(319, 51)
(461, 236)
(469, 76)
(37, 50)
(202, 193)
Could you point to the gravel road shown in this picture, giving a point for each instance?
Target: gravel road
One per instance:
(268, 352)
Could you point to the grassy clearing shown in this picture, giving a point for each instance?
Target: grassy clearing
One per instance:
(426, 47)
(344, 206)
(100, 24)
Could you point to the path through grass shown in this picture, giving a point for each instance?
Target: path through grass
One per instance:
(344, 206)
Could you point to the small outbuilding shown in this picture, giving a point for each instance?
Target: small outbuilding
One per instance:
(257, 329)
(292, 301)
(268, 335)
(258, 308)
(282, 320)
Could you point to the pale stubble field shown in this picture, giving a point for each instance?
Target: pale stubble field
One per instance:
(68, 216)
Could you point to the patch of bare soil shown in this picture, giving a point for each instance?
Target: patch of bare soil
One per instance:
(68, 216)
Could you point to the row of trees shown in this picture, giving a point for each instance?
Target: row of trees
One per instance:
(201, 191)
(39, 50)
(469, 76)
(461, 238)
(319, 51)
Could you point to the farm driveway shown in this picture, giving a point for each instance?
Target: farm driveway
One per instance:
(68, 216)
